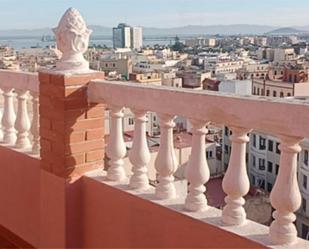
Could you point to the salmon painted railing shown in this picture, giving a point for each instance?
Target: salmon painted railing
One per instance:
(240, 113)
(20, 111)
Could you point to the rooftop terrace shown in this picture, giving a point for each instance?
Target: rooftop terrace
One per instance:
(56, 193)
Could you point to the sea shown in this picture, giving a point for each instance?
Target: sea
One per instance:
(19, 43)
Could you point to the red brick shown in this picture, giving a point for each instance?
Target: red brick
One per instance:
(75, 114)
(45, 166)
(75, 172)
(46, 145)
(75, 137)
(95, 112)
(94, 156)
(53, 158)
(75, 92)
(84, 147)
(51, 113)
(57, 79)
(55, 136)
(95, 134)
(45, 123)
(76, 103)
(82, 79)
(60, 126)
(85, 124)
(52, 90)
(74, 160)
(44, 78)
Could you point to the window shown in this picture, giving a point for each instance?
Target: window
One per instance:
(254, 140)
(262, 143)
(226, 131)
(114, 65)
(281, 95)
(267, 93)
(254, 90)
(226, 149)
(270, 145)
(306, 157)
(277, 169)
(274, 94)
(253, 161)
(261, 164)
(304, 205)
(270, 167)
(253, 180)
(261, 183)
(305, 181)
(289, 94)
(131, 121)
(304, 231)
(269, 187)
(258, 91)
(277, 148)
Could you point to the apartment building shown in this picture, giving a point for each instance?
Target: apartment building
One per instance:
(283, 81)
(125, 36)
(151, 78)
(123, 66)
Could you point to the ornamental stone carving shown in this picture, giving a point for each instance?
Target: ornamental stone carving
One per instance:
(72, 36)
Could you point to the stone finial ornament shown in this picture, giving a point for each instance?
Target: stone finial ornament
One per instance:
(72, 36)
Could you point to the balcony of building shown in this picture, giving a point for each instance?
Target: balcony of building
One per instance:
(60, 187)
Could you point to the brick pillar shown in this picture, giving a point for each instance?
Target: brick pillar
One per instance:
(71, 129)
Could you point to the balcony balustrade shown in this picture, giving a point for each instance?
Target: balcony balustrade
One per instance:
(20, 111)
(240, 113)
(72, 148)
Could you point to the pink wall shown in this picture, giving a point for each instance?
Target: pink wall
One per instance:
(114, 219)
(19, 194)
(51, 212)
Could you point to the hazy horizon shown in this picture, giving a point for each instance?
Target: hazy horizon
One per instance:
(37, 14)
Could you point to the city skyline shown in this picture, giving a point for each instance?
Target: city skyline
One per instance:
(160, 13)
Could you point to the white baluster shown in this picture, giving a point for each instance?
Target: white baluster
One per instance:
(285, 196)
(116, 149)
(9, 117)
(166, 161)
(197, 171)
(22, 124)
(236, 182)
(139, 155)
(35, 124)
(1, 129)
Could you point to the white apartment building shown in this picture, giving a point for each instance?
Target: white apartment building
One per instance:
(241, 87)
(128, 122)
(122, 36)
(302, 222)
(201, 42)
(125, 36)
(223, 66)
(136, 38)
(284, 54)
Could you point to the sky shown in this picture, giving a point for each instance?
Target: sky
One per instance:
(32, 14)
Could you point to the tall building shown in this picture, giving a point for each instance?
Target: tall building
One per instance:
(136, 37)
(125, 36)
(122, 36)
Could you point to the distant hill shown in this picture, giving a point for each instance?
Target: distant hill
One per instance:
(235, 29)
(286, 31)
(185, 30)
